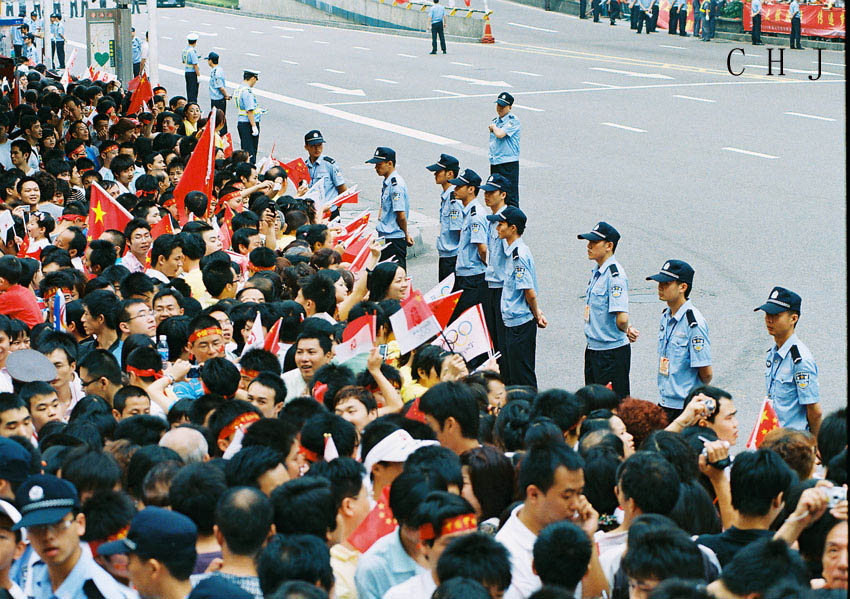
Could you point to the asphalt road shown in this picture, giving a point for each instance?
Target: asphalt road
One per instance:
(743, 177)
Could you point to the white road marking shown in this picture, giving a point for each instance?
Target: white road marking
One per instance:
(252, 54)
(257, 32)
(286, 37)
(405, 55)
(386, 81)
(674, 47)
(474, 81)
(229, 27)
(463, 64)
(534, 28)
(339, 90)
(632, 73)
(787, 70)
(320, 42)
(206, 34)
(165, 37)
(219, 48)
(282, 28)
(627, 128)
(528, 108)
(206, 24)
(748, 153)
(361, 48)
(599, 84)
(443, 91)
(184, 20)
(693, 98)
(335, 71)
(289, 61)
(526, 73)
(832, 64)
(810, 116)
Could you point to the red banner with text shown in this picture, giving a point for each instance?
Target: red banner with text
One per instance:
(815, 20)
(664, 16)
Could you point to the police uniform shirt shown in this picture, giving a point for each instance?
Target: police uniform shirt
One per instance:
(683, 343)
(84, 581)
(791, 381)
(794, 9)
(246, 102)
(57, 31)
(520, 275)
(474, 231)
(645, 4)
(137, 50)
(496, 257)
(607, 294)
(31, 52)
(394, 199)
(327, 169)
(190, 59)
(451, 222)
(437, 13)
(216, 82)
(17, 37)
(505, 149)
(756, 7)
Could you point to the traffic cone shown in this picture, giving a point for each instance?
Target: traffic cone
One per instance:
(487, 38)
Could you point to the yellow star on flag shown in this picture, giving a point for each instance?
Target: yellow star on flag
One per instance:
(98, 213)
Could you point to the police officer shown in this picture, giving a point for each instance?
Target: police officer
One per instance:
(322, 167)
(673, 18)
(644, 15)
(755, 7)
(218, 88)
(190, 67)
(613, 11)
(472, 250)
(653, 20)
(790, 375)
(494, 197)
(794, 13)
(634, 11)
(684, 349)
(606, 313)
(136, 48)
(504, 145)
(395, 207)
(520, 308)
(50, 512)
(451, 214)
(248, 120)
(683, 17)
(18, 35)
(57, 39)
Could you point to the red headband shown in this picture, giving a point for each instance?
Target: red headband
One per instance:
(259, 268)
(150, 372)
(169, 202)
(121, 534)
(310, 455)
(201, 333)
(251, 374)
(240, 421)
(72, 217)
(461, 523)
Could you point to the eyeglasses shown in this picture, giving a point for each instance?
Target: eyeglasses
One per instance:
(140, 315)
(85, 384)
(55, 528)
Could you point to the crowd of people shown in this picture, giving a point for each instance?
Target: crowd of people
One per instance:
(178, 417)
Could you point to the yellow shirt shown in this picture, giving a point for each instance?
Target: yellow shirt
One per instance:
(344, 564)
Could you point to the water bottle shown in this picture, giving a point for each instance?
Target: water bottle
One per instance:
(162, 348)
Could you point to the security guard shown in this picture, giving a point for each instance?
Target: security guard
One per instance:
(57, 40)
(494, 197)
(644, 15)
(136, 48)
(322, 167)
(794, 13)
(606, 313)
(395, 207)
(684, 349)
(755, 7)
(520, 307)
(50, 512)
(218, 88)
(190, 67)
(504, 145)
(683, 17)
(790, 375)
(451, 214)
(472, 250)
(248, 121)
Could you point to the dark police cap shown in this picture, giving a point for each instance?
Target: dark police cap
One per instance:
(14, 461)
(674, 270)
(496, 182)
(781, 300)
(45, 499)
(510, 215)
(467, 177)
(382, 154)
(216, 587)
(314, 137)
(157, 533)
(446, 162)
(602, 232)
(505, 99)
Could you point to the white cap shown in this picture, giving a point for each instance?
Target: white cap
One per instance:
(192, 37)
(395, 447)
(11, 511)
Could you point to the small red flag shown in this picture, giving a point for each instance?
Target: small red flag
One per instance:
(359, 221)
(105, 213)
(444, 307)
(297, 171)
(354, 248)
(767, 421)
(226, 229)
(162, 227)
(378, 523)
(272, 342)
(349, 196)
(360, 259)
(227, 139)
(142, 93)
(198, 175)
(414, 413)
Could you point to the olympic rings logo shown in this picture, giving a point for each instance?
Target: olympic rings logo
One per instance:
(459, 335)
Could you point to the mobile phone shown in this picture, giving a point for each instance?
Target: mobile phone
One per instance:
(382, 349)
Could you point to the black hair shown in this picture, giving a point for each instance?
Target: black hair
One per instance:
(195, 492)
(435, 462)
(716, 393)
(222, 375)
(344, 474)
(694, 511)
(561, 554)
(34, 389)
(157, 481)
(437, 508)
(305, 506)
(361, 394)
(103, 255)
(452, 400)
(141, 430)
(836, 469)
(675, 450)
(216, 277)
(145, 357)
(101, 363)
(259, 360)
(380, 279)
(539, 464)
(343, 433)
(542, 430)
(678, 588)
(651, 481)
(298, 589)
(565, 408)
(492, 477)
(756, 479)
(273, 433)
(832, 435)
(477, 556)
(107, 513)
(164, 246)
(324, 341)
(312, 234)
(94, 410)
(511, 424)
(143, 460)
(462, 588)
(297, 411)
(244, 518)
(91, 470)
(600, 478)
(103, 303)
(321, 291)
(138, 284)
(294, 557)
(335, 377)
(759, 565)
(407, 491)
(226, 413)
(427, 358)
(246, 467)
(656, 553)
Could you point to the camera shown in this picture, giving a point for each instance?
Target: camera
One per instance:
(835, 495)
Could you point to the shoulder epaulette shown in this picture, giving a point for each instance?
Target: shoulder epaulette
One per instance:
(91, 590)
(516, 253)
(392, 180)
(472, 211)
(329, 159)
(692, 319)
(615, 272)
(795, 354)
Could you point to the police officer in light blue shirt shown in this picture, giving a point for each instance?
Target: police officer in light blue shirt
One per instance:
(438, 22)
(504, 145)
(395, 207)
(790, 374)
(607, 358)
(136, 48)
(472, 250)
(218, 88)
(794, 13)
(684, 349)
(322, 167)
(494, 197)
(57, 39)
(644, 16)
(18, 34)
(190, 67)
(451, 214)
(248, 119)
(519, 305)
(755, 9)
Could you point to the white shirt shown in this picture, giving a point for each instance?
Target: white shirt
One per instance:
(519, 541)
(296, 386)
(155, 274)
(5, 154)
(421, 586)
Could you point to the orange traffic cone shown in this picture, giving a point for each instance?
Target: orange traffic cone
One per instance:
(487, 38)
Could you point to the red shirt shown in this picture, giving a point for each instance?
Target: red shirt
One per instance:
(19, 302)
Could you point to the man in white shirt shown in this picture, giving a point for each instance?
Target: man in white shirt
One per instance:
(312, 351)
(166, 258)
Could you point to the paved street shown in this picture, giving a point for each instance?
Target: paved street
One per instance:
(743, 177)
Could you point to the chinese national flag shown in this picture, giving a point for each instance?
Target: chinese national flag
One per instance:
(226, 231)
(359, 221)
(198, 175)
(444, 307)
(162, 227)
(767, 421)
(349, 196)
(105, 213)
(227, 139)
(297, 171)
(272, 340)
(362, 256)
(354, 248)
(141, 94)
(378, 523)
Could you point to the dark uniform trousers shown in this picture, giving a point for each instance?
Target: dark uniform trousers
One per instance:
(437, 31)
(795, 33)
(137, 68)
(582, 9)
(58, 50)
(644, 17)
(247, 141)
(222, 104)
(683, 23)
(673, 20)
(757, 29)
(495, 323)
(474, 292)
(634, 11)
(672, 413)
(445, 267)
(596, 9)
(520, 354)
(653, 21)
(509, 170)
(191, 86)
(395, 247)
(609, 366)
(614, 11)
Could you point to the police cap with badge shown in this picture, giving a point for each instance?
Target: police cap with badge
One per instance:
(510, 215)
(505, 99)
(496, 182)
(602, 232)
(674, 270)
(467, 177)
(447, 162)
(382, 154)
(314, 137)
(45, 499)
(159, 534)
(780, 300)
